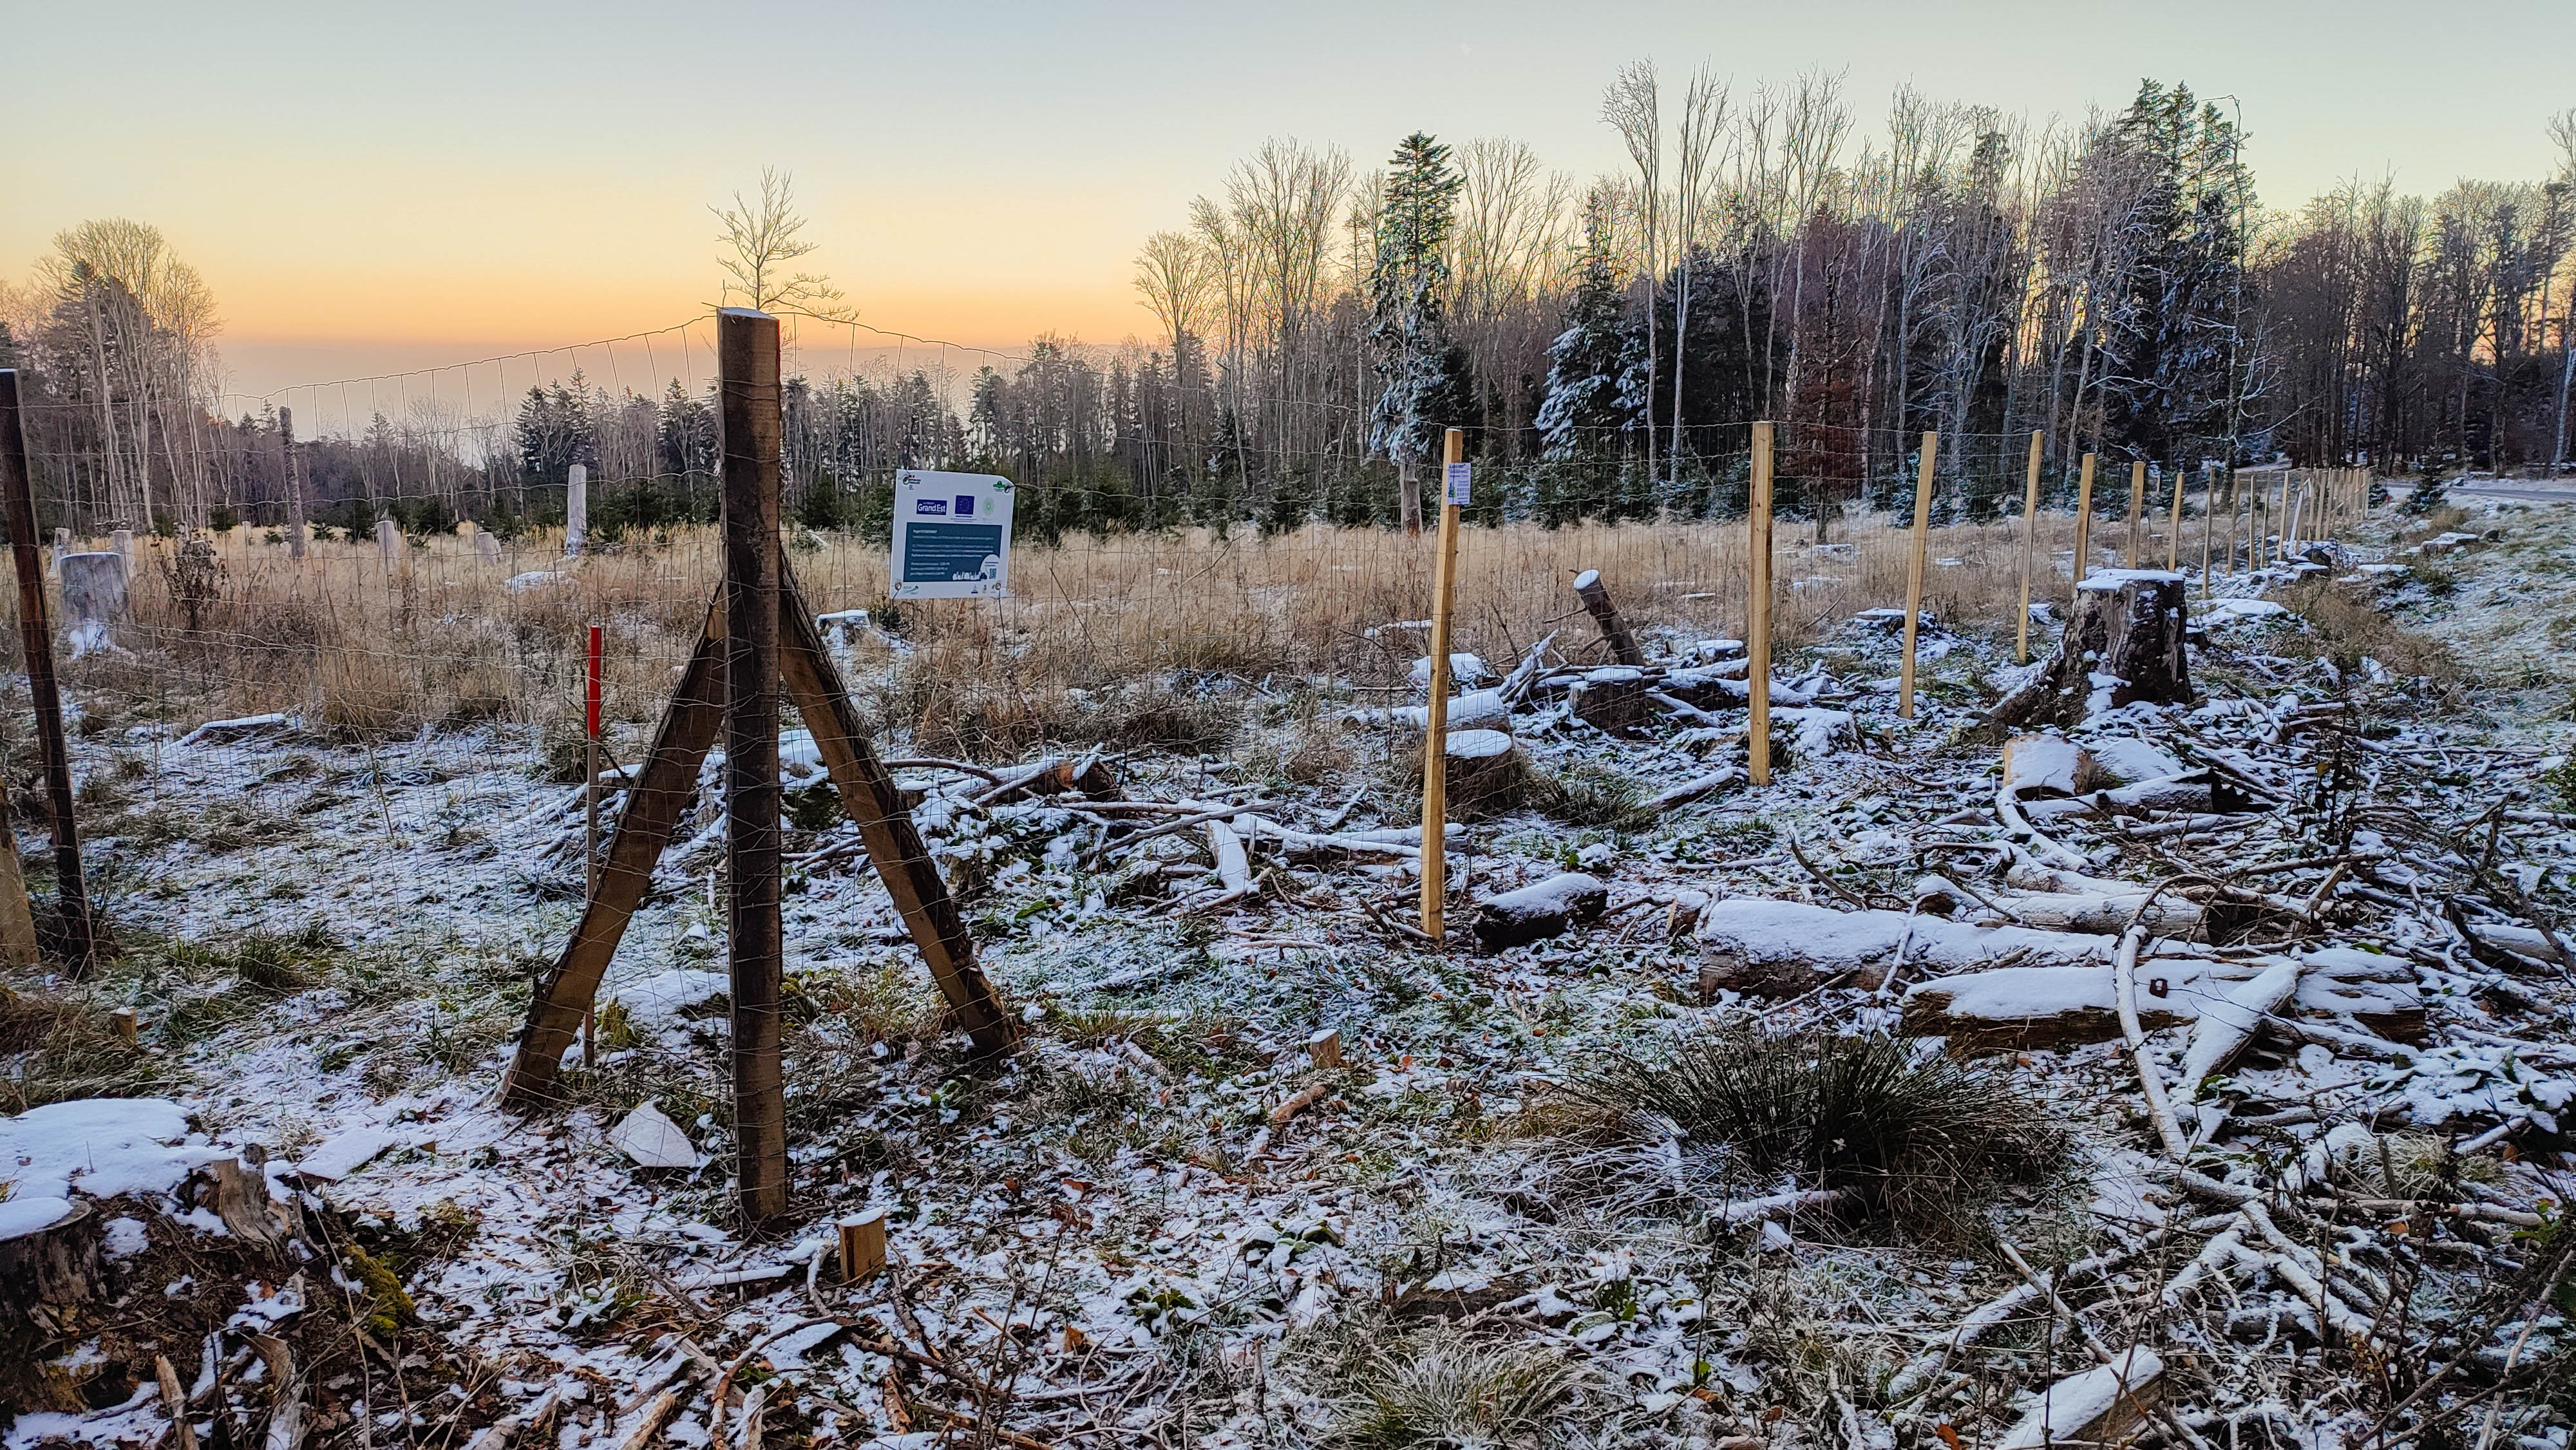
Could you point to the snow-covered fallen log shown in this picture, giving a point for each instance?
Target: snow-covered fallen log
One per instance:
(1546, 909)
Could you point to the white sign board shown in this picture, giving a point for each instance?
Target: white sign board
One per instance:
(1456, 474)
(952, 536)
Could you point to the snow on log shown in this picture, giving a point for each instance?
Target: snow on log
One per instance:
(2227, 1025)
(1996, 988)
(1768, 948)
(220, 730)
(2050, 763)
(1544, 910)
(2105, 1405)
(2009, 1008)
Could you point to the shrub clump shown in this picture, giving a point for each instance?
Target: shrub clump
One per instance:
(1916, 1140)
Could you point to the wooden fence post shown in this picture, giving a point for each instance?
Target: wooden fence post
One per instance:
(294, 484)
(747, 361)
(1435, 740)
(2083, 524)
(36, 638)
(2137, 508)
(1757, 615)
(1914, 574)
(2029, 543)
(2173, 526)
(2208, 523)
(590, 760)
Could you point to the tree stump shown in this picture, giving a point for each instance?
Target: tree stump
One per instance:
(1488, 774)
(2130, 621)
(50, 1270)
(2128, 625)
(1613, 698)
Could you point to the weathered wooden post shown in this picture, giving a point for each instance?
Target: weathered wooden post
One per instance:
(1435, 742)
(1757, 616)
(2029, 544)
(747, 360)
(1914, 574)
(577, 509)
(294, 484)
(36, 639)
(2083, 522)
(1614, 626)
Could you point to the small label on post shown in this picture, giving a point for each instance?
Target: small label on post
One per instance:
(1456, 475)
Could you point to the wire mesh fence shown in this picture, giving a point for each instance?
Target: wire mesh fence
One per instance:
(433, 584)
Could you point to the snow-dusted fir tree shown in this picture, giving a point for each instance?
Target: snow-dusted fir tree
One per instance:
(1408, 332)
(2170, 339)
(1595, 376)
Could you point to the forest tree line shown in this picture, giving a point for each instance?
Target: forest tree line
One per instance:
(2115, 285)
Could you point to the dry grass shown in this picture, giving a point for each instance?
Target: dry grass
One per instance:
(1083, 651)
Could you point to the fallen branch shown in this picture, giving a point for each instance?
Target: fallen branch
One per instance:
(2124, 995)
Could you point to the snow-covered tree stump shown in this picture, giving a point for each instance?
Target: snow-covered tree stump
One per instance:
(2130, 622)
(50, 1269)
(2127, 627)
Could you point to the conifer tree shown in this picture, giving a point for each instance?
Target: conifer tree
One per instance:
(1424, 370)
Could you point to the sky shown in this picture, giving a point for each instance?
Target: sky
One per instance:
(373, 188)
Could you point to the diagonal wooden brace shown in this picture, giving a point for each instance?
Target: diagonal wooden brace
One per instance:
(689, 729)
(653, 805)
(813, 685)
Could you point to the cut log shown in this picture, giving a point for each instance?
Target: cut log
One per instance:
(2105, 1405)
(1614, 628)
(2013, 1008)
(1513, 918)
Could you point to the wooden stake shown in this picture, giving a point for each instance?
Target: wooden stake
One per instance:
(294, 484)
(36, 639)
(2173, 526)
(2137, 508)
(1757, 616)
(18, 943)
(863, 1245)
(2083, 523)
(590, 790)
(2029, 544)
(1324, 1049)
(747, 362)
(1914, 574)
(1435, 743)
(2208, 523)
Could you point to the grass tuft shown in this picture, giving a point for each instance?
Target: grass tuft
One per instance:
(1915, 1140)
(1440, 1389)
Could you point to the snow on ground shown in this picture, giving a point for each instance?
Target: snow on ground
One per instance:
(1116, 1236)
